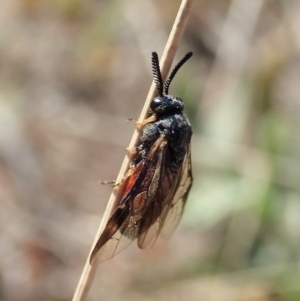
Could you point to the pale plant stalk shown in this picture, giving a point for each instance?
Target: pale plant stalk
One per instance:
(180, 22)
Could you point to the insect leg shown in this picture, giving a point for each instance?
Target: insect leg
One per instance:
(131, 151)
(140, 125)
(111, 182)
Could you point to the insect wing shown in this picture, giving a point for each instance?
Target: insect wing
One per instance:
(173, 212)
(156, 195)
(112, 239)
(152, 206)
(164, 212)
(124, 225)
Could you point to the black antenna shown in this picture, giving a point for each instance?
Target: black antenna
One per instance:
(175, 70)
(156, 73)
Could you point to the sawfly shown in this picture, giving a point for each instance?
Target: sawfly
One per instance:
(159, 179)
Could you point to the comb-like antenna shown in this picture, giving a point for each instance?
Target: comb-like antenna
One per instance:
(175, 70)
(156, 73)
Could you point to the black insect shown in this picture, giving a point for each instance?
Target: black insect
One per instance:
(159, 180)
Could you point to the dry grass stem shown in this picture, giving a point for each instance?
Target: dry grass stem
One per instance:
(165, 63)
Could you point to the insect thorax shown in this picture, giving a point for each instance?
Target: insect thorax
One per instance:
(177, 130)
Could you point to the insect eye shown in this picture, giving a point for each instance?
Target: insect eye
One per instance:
(155, 103)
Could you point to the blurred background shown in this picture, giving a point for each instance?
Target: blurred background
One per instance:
(72, 72)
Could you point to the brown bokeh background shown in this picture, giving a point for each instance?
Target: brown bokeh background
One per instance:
(72, 71)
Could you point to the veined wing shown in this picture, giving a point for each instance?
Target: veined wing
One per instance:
(125, 223)
(164, 212)
(173, 212)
